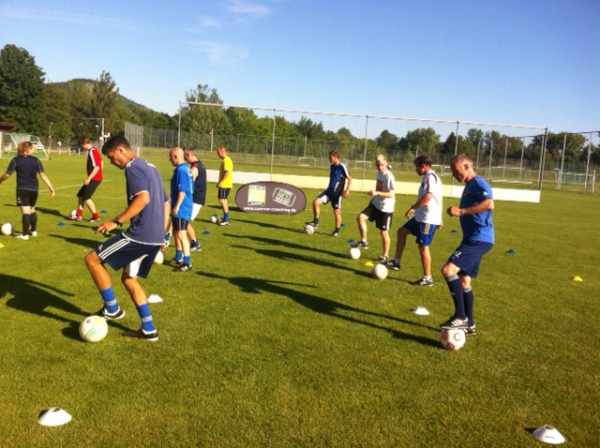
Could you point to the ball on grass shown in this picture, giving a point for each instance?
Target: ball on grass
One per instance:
(354, 253)
(93, 329)
(379, 271)
(160, 257)
(309, 229)
(6, 228)
(452, 338)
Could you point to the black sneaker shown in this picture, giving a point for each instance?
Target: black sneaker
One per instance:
(224, 223)
(361, 245)
(183, 268)
(335, 233)
(140, 333)
(175, 262)
(393, 265)
(94, 219)
(423, 281)
(312, 224)
(119, 314)
(382, 260)
(470, 331)
(195, 247)
(455, 322)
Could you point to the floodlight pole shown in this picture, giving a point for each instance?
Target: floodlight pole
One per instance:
(365, 151)
(273, 142)
(179, 127)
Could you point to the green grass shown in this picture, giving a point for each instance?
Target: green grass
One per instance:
(278, 339)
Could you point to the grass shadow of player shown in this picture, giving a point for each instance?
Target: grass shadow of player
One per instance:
(267, 225)
(77, 241)
(41, 299)
(286, 244)
(321, 305)
(49, 211)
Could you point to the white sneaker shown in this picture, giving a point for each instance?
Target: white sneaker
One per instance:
(34, 233)
(22, 237)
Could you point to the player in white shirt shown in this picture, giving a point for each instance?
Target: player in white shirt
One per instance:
(424, 218)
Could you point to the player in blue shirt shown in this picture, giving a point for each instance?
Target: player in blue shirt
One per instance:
(336, 190)
(133, 250)
(475, 215)
(181, 208)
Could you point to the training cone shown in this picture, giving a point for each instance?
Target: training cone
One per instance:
(54, 417)
(1, 245)
(369, 263)
(206, 232)
(60, 224)
(577, 279)
(510, 251)
(421, 311)
(453, 230)
(103, 211)
(548, 434)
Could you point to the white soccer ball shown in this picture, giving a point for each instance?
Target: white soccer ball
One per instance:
(354, 253)
(215, 219)
(160, 257)
(6, 228)
(93, 329)
(379, 271)
(453, 338)
(309, 229)
(73, 214)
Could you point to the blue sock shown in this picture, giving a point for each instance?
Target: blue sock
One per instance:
(110, 302)
(456, 290)
(468, 295)
(178, 254)
(146, 316)
(226, 216)
(187, 259)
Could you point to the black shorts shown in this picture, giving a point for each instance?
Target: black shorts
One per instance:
(179, 223)
(86, 191)
(223, 193)
(26, 198)
(383, 220)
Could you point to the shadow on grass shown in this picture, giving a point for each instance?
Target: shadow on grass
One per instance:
(50, 211)
(286, 244)
(266, 225)
(78, 241)
(321, 305)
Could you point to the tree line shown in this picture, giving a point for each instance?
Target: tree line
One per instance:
(79, 107)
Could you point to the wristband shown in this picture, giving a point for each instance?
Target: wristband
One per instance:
(117, 222)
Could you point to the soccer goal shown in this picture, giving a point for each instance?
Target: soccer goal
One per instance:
(364, 164)
(307, 161)
(509, 174)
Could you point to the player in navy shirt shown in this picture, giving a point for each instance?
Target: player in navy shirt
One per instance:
(133, 250)
(475, 215)
(337, 189)
(199, 197)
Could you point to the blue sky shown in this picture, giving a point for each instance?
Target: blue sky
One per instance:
(521, 62)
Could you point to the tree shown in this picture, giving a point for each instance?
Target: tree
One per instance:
(464, 146)
(204, 119)
(103, 103)
(420, 141)
(388, 141)
(21, 90)
(57, 112)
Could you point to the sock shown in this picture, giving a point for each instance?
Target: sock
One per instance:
(428, 277)
(26, 222)
(194, 242)
(33, 221)
(397, 261)
(95, 215)
(337, 229)
(187, 259)
(226, 216)
(79, 212)
(110, 302)
(468, 297)
(178, 254)
(456, 291)
(316, 220)
(146, 317)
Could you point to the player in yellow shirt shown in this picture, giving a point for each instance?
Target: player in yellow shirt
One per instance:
(225, 183)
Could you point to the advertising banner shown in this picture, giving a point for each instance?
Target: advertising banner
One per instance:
(276, 198)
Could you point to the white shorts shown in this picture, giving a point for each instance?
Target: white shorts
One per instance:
(195, 210)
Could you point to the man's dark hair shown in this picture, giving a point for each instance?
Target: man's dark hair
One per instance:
(112, 143)
(423, 160)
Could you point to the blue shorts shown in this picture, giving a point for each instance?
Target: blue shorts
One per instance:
(119, 252)
(179, 223)
(336, 200)
(423, 231)
(223, 193)
(468, 256)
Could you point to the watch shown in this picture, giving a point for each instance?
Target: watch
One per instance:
(117, 222)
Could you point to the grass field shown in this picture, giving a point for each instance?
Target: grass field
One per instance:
(277, 339)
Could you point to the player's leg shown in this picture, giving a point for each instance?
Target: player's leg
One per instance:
(80, 203)
(223, 194)
(101, 278)
(385, 243)
(90, 204)
(33, 221)
(25, 222)
(316, 207)
(468, 300)
(194, 244)
(88, 192)
(450, 272)
(361, 220)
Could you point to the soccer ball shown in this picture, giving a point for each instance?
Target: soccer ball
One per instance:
(215, 219)
(452, 338)
(6, 228)
(354, 253)
(309, 229)
(160, 257)
(73, 214)
(379, 271)
(93, 329)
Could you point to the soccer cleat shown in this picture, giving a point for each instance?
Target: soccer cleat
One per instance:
(22, 237)
(33, 233)
(423, 281)
(140, 333)
(335, 233)
(393, 265)
(76, 218)
(224, 223)
(382, 259)
(312, 224)
(195, 247)
(470, 331)
(175, 262)
(455, 322)
(183, 268)
(119, 314)
(361, 245)
(92, 219)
